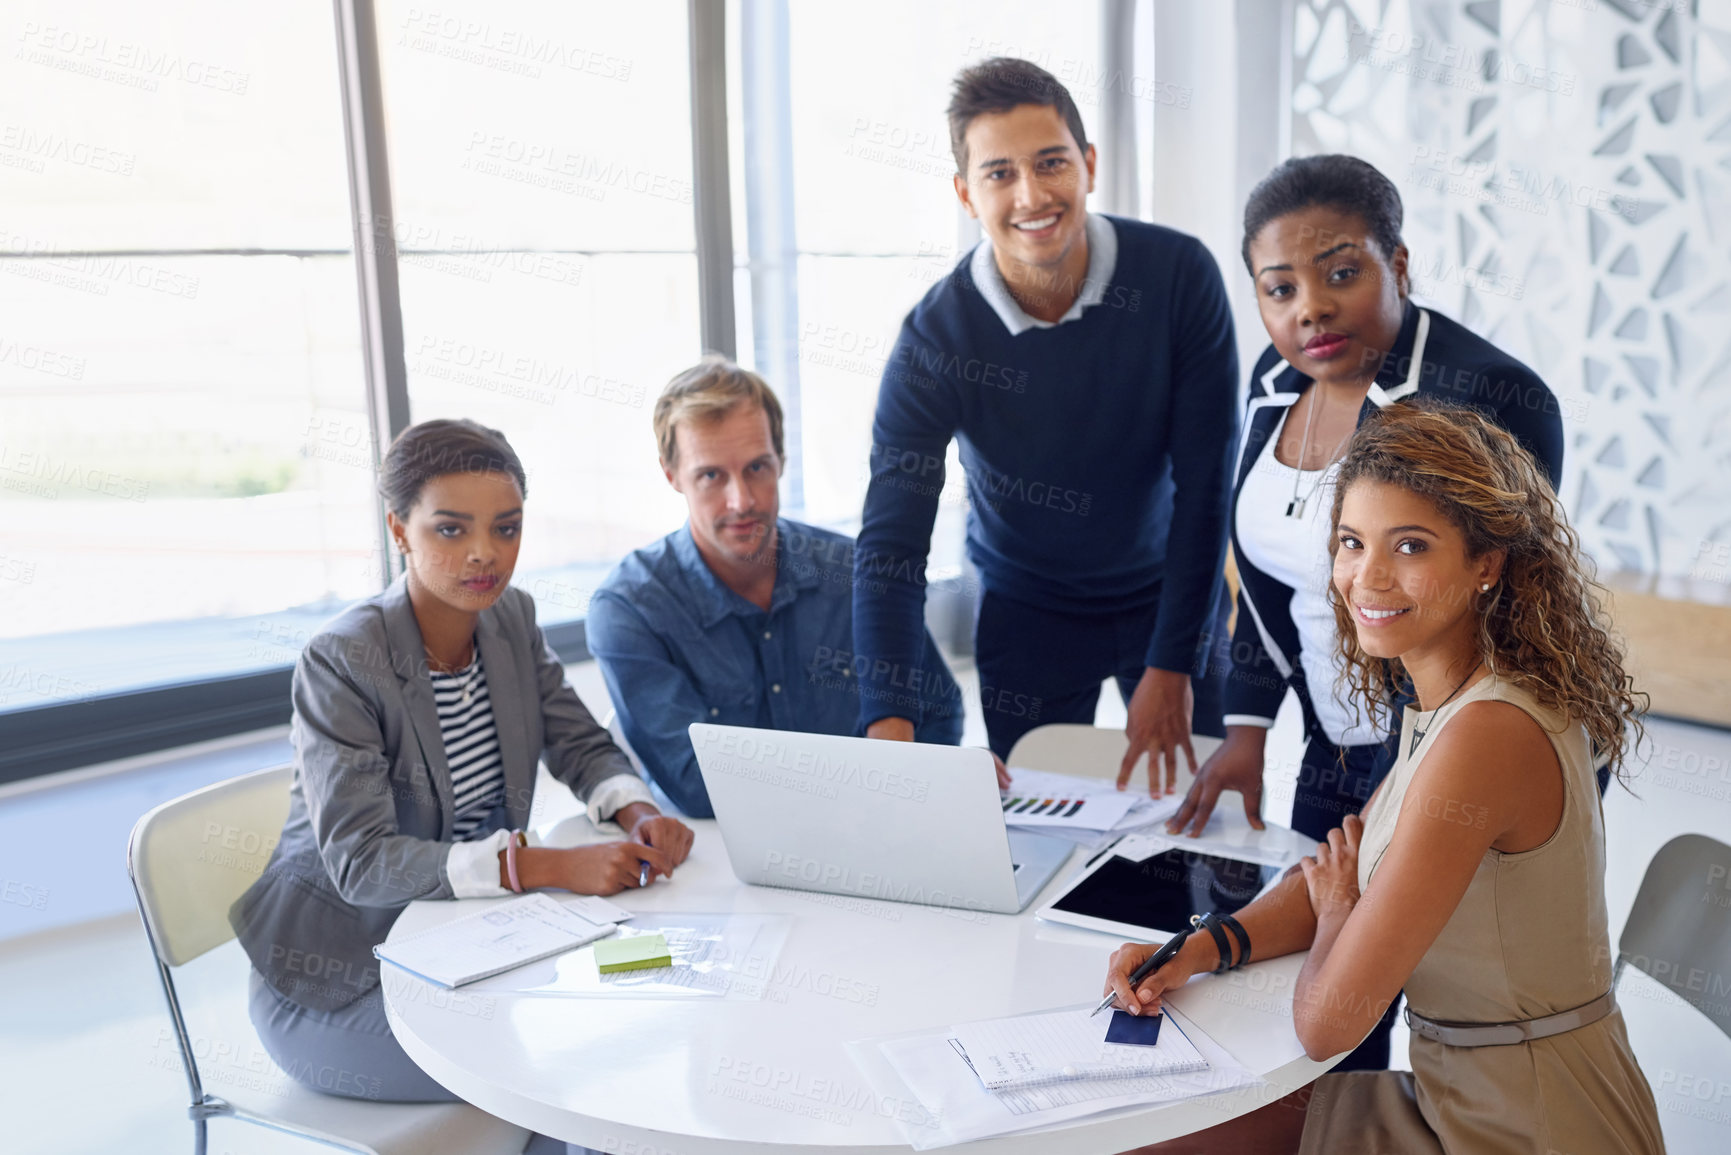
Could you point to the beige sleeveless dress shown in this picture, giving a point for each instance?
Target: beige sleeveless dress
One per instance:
(1528, 939)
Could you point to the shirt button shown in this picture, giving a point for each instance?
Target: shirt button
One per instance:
(766, 635)
(713, 711)
(775, 689)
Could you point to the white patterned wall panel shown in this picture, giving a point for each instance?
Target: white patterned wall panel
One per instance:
(1566, 168)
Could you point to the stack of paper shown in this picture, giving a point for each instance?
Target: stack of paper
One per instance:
(495, 940)
(1094, 800)
(935, 1069)
(1032, 1050)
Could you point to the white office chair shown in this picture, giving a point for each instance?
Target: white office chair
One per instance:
(1679, 929)
(1091, 751)
(189, 860)
(1067, 748)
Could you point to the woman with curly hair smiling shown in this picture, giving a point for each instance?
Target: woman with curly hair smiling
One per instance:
(1476, 878)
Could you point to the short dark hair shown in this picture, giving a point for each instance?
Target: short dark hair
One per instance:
(1333, 181)
(435, 448)
(998, 85)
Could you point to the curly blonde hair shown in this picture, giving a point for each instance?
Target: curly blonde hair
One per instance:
(1543, 625)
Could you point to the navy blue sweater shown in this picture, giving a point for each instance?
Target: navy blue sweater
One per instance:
(1098, 454)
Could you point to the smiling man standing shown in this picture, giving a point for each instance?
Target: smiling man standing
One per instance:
(1086, 366)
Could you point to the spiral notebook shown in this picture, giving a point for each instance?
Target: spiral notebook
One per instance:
(1031, 1050)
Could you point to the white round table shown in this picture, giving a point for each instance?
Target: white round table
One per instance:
(702, 1075)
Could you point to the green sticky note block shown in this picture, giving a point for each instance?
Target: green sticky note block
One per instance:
(639, 952)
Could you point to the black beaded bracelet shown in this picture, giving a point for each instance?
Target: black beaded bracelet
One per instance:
(1240, 934)
(1211, 923)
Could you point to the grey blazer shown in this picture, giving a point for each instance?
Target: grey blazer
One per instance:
(371, 810)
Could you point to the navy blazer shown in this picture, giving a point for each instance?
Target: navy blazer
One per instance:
(371, 810)
(1432, 357)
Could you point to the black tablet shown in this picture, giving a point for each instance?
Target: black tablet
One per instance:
(1155, 897)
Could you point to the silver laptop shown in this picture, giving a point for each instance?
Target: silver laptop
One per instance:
(901, 821)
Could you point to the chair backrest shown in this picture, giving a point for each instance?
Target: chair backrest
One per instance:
(1065, 748)
(1679, 932)
(192, 857)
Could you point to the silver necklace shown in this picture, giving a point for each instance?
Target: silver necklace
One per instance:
(469, 672)
(1295, 507)
(1419, 732)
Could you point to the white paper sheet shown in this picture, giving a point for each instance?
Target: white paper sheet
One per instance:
(714, 956)
(957, 1109)
(1030, 1050)
(476, 946)
(1227, 835)
(595, 908)
(1135, 809)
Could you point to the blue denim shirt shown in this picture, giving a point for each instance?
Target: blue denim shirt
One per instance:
(677, 646)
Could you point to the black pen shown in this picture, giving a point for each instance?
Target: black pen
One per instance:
(1101, 852)
(1154, 962)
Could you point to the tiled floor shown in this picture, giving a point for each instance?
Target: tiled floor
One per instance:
(88, 1066)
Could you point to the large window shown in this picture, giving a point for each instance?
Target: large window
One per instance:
(542, 172)
(180, 377)
(863, 185)
(190, 405)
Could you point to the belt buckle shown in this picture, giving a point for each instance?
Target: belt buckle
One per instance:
(1422, 1027)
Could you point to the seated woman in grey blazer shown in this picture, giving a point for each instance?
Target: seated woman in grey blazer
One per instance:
(419, 716)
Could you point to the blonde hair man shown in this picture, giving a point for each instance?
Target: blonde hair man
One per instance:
(741, 616)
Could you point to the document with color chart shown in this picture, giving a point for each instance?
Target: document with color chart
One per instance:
(1091, 811)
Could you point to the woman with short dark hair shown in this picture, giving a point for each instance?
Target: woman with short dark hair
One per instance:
(420, 715)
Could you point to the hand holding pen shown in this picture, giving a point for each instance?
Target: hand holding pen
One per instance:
(1121, 981)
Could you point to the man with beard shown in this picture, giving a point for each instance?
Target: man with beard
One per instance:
(741, 617)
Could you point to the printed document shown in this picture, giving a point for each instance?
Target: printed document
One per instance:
(492, 941)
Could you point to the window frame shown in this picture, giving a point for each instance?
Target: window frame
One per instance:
(61, 736)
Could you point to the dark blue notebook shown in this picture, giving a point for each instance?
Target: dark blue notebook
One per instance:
(1137, 1030)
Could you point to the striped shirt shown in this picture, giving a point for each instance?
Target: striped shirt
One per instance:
(471, 747)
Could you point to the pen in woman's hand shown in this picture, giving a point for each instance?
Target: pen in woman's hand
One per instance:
(1153, 963)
